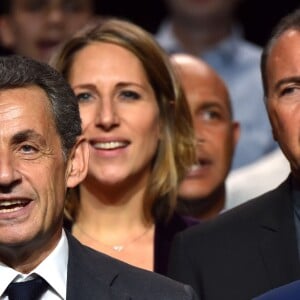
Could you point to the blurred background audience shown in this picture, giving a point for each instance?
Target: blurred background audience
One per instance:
(35, 28)
(209, 29)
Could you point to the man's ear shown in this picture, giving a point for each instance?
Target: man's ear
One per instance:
(236, 132)
(7, 36)
(78, 163)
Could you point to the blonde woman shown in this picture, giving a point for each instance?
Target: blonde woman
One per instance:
(137, 123)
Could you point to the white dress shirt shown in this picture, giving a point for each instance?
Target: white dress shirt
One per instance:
(53, 269)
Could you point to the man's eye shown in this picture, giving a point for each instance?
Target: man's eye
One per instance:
(35, 5)
(28, 149)
(130, 95)
(83, 97)
(73, 6)
(288, 90)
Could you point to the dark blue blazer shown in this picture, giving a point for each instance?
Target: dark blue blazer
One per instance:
(93, 276)
(242, 253)
(289, 291)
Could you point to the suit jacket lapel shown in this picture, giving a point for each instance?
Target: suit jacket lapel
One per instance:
(278, 238)
(88, 278)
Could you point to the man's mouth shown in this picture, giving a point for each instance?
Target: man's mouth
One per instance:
(12, 205)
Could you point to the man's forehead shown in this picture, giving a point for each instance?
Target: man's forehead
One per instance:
(17, 101)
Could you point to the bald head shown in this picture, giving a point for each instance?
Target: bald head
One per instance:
(197, 77)
(216, 134)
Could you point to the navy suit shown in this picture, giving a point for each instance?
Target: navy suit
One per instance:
(243, 252)
(94, 276)
(289, 291)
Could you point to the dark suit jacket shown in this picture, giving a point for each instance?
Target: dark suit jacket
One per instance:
(290, 291)
(93, 275)
(243, 252)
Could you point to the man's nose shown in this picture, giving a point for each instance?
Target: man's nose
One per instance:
(8, 172)
(55, 14)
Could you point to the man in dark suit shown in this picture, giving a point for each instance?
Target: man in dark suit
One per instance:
(255, 247)
(42, 154)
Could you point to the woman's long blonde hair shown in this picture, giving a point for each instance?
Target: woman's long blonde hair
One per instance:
(176, 151)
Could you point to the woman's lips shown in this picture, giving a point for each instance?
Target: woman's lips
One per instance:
(109, 145)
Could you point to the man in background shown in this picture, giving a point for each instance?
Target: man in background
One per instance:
(202, 192)
(208, 29)
(35, 28)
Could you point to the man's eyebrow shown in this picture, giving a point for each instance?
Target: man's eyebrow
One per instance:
(26, 135)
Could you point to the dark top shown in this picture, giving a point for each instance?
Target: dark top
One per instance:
(163, 236)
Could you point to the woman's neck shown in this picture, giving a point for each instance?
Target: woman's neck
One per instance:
(112, 210)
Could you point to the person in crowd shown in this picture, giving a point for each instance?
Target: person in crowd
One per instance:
(208, 29)
(139, 129)
(202, 192)
(35, 28)
(255, 247)
(256, 178)
(43, 154)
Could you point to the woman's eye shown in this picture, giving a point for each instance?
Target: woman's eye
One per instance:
(83, 97)
(130, 95)
(210, 115)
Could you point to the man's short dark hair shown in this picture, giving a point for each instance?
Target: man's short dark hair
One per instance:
(18, 71)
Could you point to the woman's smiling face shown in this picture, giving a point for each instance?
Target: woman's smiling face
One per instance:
(119, 112)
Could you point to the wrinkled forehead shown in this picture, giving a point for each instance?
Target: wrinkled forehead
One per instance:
(24, 106)
(284, 53)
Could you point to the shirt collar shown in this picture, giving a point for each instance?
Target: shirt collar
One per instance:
(53, 269)
(223, 51)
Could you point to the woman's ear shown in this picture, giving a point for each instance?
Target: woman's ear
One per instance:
(78, 163)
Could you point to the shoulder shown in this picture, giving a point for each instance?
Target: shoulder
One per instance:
(243, 218)
(123, 277)
(257, 178)
(247, 50)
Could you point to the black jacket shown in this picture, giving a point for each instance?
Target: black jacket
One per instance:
(243, 252)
